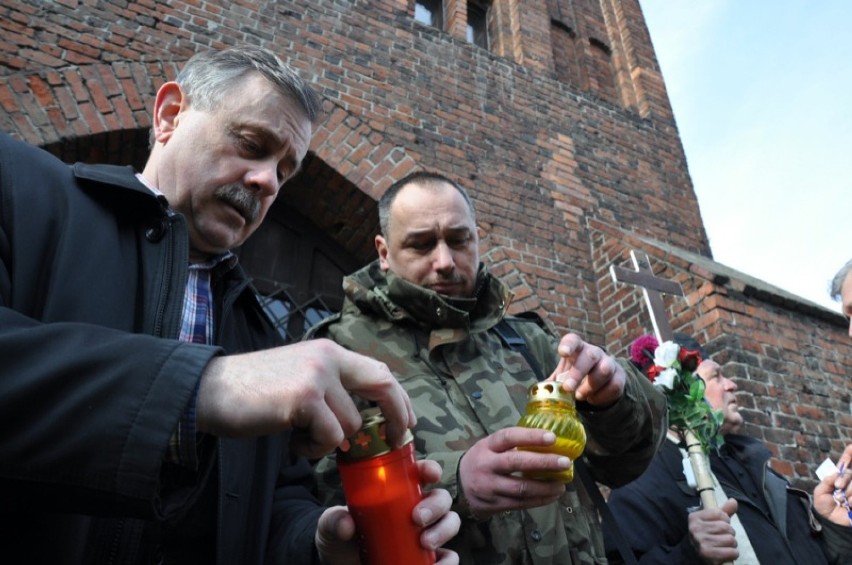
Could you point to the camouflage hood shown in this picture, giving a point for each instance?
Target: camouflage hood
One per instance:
(383, 294)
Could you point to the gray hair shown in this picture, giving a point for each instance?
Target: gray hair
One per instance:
(422, 178)
(839, 278)
(207, 76)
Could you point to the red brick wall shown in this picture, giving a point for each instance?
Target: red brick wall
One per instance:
(567, 178)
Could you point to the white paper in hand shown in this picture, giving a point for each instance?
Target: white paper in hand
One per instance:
(826, 469)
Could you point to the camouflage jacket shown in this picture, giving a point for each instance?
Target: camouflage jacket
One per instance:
(466, 385)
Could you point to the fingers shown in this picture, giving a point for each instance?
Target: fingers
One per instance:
(825, 503)
(488, 473)
(844, 477)
(711, 521)
(711, 533)
(730, 507)
(372, 380)
(504, 493)
(429, 471)
(434, 505)
(433, 513)
(304, 387)
(336, 525)
(833, 494)
(516, 449)
(446, 557)
(321, 424)
(516, 436)
(594, 376)
(604, 383)
(335, 536)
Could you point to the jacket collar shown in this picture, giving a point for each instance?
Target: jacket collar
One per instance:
(384, 294)
(117, 184)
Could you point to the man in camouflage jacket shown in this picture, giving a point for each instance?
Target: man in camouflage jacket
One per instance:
(427, 308)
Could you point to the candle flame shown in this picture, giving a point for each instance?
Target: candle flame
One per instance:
(382, 474)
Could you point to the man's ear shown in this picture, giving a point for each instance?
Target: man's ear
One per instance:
(382, 248)
(167, 106)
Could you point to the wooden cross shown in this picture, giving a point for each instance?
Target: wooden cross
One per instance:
(651, 287)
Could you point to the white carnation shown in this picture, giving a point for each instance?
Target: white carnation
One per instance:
(666, 354)
(666, 379)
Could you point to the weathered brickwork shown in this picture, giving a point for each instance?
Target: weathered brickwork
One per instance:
(789, 358)
(562, 131)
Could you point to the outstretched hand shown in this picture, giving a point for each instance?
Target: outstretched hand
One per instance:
(826, 503)
(486, 472)
(586, 369)
(304, 387)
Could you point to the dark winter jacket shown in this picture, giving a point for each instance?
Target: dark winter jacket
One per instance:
(652, 511)
(93, 383)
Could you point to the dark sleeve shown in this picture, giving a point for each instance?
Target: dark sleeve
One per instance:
(86, 413)
(295, 514)
(836, 541)
(651, 514)
(623, 438)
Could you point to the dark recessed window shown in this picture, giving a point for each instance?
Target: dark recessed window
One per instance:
(430, 12)
(477, 24)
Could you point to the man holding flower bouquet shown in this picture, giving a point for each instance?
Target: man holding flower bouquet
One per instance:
(760, 518)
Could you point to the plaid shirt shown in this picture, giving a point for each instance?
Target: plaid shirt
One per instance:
(197, 318)
(196, 327)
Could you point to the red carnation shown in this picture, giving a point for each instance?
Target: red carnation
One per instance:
(652, 371)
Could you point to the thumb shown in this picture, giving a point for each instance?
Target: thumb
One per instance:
(335, 537)
(730, 507)
(335, 525)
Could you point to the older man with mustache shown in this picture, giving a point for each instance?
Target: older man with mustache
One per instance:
(148, 412)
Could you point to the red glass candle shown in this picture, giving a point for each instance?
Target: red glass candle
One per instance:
(382, 487)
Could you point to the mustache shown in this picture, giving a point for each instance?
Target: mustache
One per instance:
(242, 199)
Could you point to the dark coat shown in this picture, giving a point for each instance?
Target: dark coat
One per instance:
(93, 381)
(652, 511)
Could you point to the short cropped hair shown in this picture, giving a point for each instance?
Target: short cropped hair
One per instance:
(208, 75)
(423, 178)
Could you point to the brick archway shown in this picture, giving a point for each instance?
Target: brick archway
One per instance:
(58, 108)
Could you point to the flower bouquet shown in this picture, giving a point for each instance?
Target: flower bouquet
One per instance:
(671, 368)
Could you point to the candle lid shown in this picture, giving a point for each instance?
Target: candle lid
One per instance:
(370, 440)
(550, 390)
